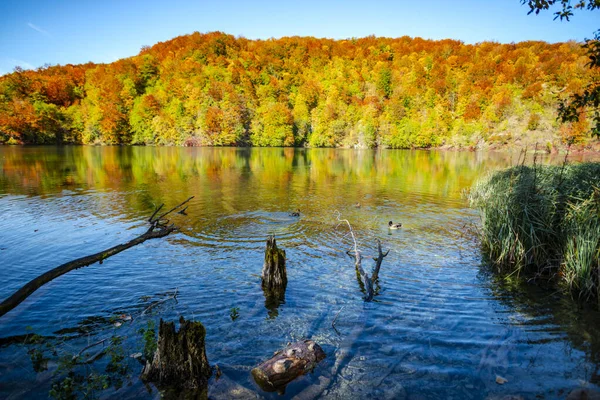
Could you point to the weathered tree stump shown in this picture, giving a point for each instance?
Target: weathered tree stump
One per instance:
(288, 364)
(583, 394)
(274, 275)
(180, 358)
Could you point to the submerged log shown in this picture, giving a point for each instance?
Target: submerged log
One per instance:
(180, 358)
(274, 275)
(288, 364)
(158, 228)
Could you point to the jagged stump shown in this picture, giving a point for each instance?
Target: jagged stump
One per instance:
(180, 358)
(288, 364)
(274, 276)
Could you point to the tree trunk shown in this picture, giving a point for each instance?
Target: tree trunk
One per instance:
(288, 364)
(180, 358)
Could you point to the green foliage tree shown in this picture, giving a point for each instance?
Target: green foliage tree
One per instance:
(384, 83)
(273, 126)
(588, 99)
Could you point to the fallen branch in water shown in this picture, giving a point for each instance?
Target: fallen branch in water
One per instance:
(95, 356)
(335, 319)
(158, 228)
(89, 346)
(151, 306)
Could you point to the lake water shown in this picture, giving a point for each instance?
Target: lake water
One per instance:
(441, 325)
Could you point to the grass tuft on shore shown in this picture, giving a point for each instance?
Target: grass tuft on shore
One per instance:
(543, 220)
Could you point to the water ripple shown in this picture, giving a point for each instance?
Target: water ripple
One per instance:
(439, 327)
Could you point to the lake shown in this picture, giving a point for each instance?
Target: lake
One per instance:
(440, 326)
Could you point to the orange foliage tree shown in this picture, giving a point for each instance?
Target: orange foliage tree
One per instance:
(216, 89)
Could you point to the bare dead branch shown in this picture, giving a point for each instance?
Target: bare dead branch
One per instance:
(155, 212)
(335, 319)
(151, 306)
(95, 356)
(89, 346)
(379, 260)
(338, 215)
(171, 210)
(363, 277)
(156, 230)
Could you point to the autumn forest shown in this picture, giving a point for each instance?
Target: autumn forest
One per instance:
(331, 216)
(215, 89)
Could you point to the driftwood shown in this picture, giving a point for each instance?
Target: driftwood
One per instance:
(288, 364)
(274, 276)
(180, 358)
(364, 280)
(158, 228)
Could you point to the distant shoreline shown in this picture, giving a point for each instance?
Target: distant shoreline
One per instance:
(592, 149)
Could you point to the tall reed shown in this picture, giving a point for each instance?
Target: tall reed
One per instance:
(543, 219)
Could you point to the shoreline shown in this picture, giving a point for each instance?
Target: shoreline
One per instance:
(528, 148)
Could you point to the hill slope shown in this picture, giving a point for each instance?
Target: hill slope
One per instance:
(215, 89)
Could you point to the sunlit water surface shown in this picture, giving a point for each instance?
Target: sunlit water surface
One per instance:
(440, 325)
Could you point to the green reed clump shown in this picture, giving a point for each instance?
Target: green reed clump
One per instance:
(543, 219)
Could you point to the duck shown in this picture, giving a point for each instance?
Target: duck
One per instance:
(392, 225)
(295, 213)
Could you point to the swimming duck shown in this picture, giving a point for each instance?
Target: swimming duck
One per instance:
(392, 225)
(295, 213)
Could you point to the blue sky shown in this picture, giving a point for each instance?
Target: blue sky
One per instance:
(36, 32)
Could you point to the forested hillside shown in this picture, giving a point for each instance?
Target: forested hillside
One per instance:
(216, 89)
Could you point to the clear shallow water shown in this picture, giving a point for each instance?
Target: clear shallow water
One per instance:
(440, 326)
